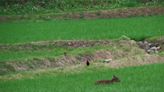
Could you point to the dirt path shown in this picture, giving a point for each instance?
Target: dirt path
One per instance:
(54, 44)
(120, 13)
(115, 13)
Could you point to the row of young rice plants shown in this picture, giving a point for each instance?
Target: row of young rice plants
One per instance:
(137, 28)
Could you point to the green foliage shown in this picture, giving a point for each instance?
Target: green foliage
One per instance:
(44, 6)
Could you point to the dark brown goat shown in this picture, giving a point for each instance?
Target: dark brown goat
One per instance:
(87, 63)
(113, 80)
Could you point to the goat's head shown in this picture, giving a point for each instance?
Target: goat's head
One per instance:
(115, 79)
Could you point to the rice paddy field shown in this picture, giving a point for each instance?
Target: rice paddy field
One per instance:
(147, 78)
(137, 28)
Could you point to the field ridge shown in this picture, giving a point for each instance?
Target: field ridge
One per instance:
(115, 13)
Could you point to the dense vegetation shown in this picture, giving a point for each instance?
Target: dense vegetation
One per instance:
(137, 28)
(48, 6)
(133, 79)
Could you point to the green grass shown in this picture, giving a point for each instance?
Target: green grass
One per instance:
(133, 79)
(24, 55)
(161, 53)
(27, 31)
(9, 55)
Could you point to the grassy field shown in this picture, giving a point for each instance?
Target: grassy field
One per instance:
(49, 67)
(9, 55)
(133, 79)
(137, 28)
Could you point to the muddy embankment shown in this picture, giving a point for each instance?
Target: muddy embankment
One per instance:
(124, 53)
(114, 13)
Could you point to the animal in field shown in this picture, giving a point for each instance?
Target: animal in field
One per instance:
(104, 82)
(87, 62)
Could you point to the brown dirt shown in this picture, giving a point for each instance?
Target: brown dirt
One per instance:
(103, 55)
(117, 13)
(136, 61)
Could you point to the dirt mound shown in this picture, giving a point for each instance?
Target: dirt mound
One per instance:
(136, 61)
(103, 55)
(123, 53)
